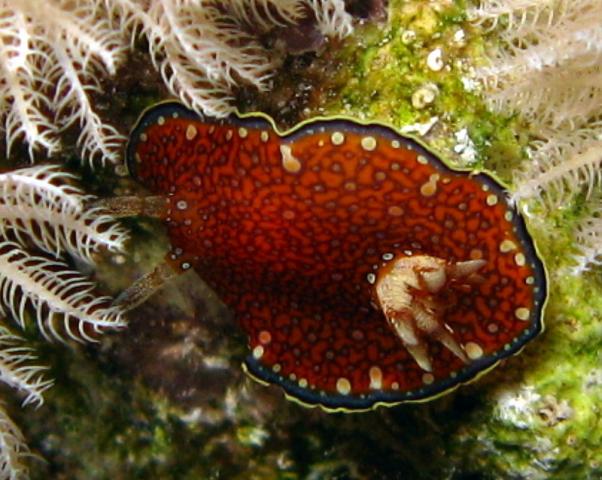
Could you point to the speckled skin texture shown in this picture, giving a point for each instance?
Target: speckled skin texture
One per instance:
(290, 229)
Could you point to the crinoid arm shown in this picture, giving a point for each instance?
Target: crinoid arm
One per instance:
(409, 291)
(13, 449)
(144, 287)
(151, 206)
(40, 205)
(18, 368)
(63, 300)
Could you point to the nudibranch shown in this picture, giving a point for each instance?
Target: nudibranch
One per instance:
(364, 270)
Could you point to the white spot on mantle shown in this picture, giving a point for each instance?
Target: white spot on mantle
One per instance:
(343, 386)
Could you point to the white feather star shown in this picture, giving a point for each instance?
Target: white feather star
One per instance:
(40, 208)
(548, 68)
(54, 54)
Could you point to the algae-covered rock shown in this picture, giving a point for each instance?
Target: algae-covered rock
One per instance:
(167, 398)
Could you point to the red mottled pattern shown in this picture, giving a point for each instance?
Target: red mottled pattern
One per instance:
(287, 229)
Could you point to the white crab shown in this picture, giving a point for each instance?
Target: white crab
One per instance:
(407, 290)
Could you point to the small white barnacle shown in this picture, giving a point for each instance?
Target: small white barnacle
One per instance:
(425, 95)
(459, 37)
(408, 36)
(434, 60)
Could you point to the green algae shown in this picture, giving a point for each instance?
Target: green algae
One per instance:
(390, 66)
(166, 399)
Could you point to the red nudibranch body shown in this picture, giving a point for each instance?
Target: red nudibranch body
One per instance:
(363, 269)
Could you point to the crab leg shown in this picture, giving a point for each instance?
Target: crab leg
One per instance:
(407, 291)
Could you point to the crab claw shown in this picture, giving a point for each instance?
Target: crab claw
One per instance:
(407, 292)
(466, 272)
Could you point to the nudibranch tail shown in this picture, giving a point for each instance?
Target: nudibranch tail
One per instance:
(363, 269)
